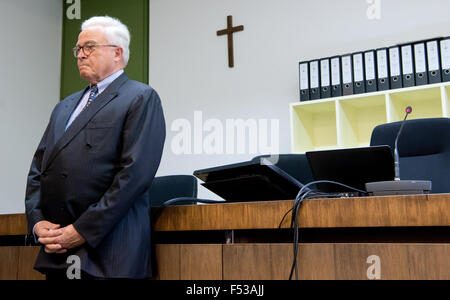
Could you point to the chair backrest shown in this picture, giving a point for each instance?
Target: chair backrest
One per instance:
(165, 188)
(296, 165)
(424, 149)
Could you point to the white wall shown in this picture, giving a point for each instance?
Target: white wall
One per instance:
(188, 66)
(188, 62)
(30, 50)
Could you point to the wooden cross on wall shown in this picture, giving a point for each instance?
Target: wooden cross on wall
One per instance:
(229, 31)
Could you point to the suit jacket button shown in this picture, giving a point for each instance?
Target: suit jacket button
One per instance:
(44, 174)
(63, 175)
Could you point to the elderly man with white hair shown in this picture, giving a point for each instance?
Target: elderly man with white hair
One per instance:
(86, 198)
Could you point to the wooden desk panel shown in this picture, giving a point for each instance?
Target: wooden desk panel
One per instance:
(189, 262)
(387, 211)
(17, 263)
(14, 224)
(325, 260)
(27, 258)
(397, 261)
(9, 263)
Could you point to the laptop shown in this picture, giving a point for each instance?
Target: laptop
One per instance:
(250, 181)
(353, 167)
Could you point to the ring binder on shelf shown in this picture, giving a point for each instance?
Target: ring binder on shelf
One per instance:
(420, 63)
(325, 77)
(359, 86)
(347, 75)
(407, 65)
(402, 65)
(383, 69)
(434, 64)
(304, 81)
(314, 92)
(445, 59)
(370, 71)
(395, 68)
(336, 90)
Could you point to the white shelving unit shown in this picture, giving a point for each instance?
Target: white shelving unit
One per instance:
(347, 122)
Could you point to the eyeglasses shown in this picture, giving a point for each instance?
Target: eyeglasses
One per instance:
(88, 48)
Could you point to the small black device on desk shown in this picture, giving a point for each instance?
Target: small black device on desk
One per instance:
(250, 181)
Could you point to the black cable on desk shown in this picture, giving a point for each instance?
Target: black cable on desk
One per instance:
(306, 193)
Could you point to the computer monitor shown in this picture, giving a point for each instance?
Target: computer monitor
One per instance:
(353, 167)
(250, 181)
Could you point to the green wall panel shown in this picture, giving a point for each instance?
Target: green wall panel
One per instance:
(133, 13)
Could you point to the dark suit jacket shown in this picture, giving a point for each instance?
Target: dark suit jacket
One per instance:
(96, 176)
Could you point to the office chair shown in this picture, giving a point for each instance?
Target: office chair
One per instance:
(296, 165)
(175, 190)
(165, 188)
(424, 149)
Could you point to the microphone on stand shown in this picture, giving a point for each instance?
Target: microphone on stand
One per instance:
(397, 186)
(396, 156)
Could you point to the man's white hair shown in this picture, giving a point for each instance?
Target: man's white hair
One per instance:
(115, 32)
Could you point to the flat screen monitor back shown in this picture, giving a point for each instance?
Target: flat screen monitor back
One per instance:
(250, 181)
(353, 167)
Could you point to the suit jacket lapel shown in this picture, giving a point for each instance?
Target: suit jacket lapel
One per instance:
(84, 117)
(63, 118)
(60, 123)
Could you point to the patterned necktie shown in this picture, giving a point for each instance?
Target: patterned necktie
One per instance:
(93, 93)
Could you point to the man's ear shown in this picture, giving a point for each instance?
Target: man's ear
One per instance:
(118, 52)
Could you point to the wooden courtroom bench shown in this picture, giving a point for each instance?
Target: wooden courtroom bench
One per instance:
(388, 237)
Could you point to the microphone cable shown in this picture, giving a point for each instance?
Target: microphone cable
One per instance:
(189, 200)
(306, 193)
